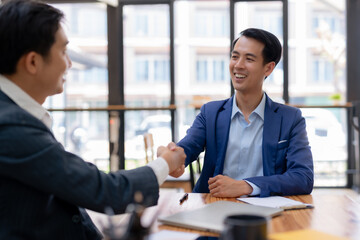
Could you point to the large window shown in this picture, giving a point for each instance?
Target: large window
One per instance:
(315, 66)
(317, 77)
(202, 46)
(146, 78)
(268, 16)
(82, 132)
(146, 55)
(317, 52)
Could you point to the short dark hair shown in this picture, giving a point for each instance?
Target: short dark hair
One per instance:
(25, 26)
(272, 49)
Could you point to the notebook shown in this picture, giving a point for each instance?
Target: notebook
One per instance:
(211, 217)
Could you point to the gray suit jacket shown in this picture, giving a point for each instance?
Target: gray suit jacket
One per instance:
(43, 188)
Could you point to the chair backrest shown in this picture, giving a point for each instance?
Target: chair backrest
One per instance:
(149, 147)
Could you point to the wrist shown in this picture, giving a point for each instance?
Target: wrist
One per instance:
(247, 188)
(166, 156)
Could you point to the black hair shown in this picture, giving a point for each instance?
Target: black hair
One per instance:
(25, 26)
(272, 47)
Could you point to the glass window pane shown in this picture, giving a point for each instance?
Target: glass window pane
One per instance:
(142, 71)
(146, 55)
(202, 48)
(84, 133)
(266, 15)
(201, 71)
(317, 48)
(326, 129)
(87, 81)
(139, 123)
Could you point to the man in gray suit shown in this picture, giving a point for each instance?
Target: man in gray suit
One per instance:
(43, 188)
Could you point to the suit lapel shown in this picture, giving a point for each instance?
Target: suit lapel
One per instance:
(271, 132)
(222, 126)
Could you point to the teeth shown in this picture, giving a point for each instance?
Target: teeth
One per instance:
(239, 75)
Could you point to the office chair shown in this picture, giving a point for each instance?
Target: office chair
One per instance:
(149, 147)
(193, 173)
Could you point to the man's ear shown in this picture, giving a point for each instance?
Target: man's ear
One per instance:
(269, 67)
(32, 61)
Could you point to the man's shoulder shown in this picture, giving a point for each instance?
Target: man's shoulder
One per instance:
(7, 106)
(217, 104)
(283, 108)
(10, 112)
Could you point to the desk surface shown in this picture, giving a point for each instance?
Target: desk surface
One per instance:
(336, 212)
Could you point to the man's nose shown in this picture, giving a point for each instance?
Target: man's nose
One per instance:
(69, 62)
(239, 63)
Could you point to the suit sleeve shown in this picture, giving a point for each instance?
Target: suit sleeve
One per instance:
(194, 141)
(297, 177)
(31, 155)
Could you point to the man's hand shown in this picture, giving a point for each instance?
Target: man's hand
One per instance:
(224, 186)
(178, 172)
(175, 158)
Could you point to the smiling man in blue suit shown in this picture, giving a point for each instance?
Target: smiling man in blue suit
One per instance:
(43, 188)
(254, 146)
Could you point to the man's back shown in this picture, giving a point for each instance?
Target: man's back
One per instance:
(27, 212)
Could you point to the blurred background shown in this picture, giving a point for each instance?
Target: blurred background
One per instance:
(159, 61)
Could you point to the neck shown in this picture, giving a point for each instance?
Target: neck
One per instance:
(248, 102)
(26, 86)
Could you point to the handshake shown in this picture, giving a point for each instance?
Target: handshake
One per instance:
(175, 158)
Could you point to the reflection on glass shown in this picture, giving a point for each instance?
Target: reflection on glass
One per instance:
(139, 123)
(146, 55)
(326, 129)
(84, 133)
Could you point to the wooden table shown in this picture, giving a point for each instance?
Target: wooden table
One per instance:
(337, 212)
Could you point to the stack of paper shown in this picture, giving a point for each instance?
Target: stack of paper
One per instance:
(173, 235)
(276, 202)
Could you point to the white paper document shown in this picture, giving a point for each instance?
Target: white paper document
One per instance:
(172, 235)
(276, 202)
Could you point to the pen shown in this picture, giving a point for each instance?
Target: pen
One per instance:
(184, 198)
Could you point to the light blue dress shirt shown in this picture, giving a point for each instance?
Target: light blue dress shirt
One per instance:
(243, 157)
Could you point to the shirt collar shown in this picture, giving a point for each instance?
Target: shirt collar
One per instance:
(259, 110)
(24, 101)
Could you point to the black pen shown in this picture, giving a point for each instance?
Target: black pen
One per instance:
(184, 198)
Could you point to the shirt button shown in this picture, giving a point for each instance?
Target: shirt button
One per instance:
(75, 218)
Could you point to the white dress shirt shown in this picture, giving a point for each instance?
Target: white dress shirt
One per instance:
(243, 157)
(21, 98)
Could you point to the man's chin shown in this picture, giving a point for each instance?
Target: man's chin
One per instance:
(58, 91)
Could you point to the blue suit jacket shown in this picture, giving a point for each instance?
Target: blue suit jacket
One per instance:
(43, 188)
(287, 159)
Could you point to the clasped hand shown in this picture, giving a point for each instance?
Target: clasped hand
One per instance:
(175, 158)
(224, 186)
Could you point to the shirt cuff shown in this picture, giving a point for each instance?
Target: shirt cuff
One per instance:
(256, 189)
(160, 168)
